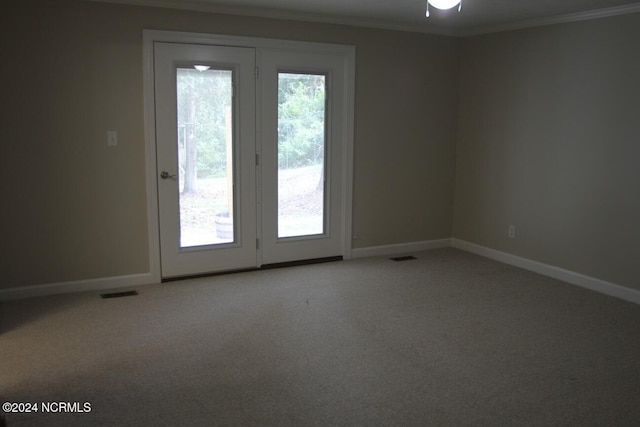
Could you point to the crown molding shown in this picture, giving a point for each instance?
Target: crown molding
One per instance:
(558, 19)
(202, 6)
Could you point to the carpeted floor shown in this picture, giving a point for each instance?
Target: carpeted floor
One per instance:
(447, 339)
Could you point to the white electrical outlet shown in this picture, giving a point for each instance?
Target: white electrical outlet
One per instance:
(112, 138)
(512, 231)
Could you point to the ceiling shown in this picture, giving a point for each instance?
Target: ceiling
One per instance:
(476, 16)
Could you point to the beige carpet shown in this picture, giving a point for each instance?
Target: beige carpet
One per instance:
(448, 339)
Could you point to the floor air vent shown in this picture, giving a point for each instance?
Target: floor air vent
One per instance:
(119, 294)
(403, 258)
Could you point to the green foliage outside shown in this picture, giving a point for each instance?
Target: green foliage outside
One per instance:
(204, 97)
(301, 120)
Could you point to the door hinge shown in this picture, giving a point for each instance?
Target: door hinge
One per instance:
(257, 73)
(257, 159)
(257, 243)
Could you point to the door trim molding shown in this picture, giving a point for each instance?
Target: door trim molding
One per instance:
(153, 223)
(152, 36)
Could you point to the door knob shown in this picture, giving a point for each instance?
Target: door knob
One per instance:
(165, 175)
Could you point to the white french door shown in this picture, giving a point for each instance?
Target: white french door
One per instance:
(204, 106)
(250, 146)
(302, 203)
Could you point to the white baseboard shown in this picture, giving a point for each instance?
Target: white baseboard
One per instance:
(400, 248)
(76, 286)
(604, 287)
(607, 288)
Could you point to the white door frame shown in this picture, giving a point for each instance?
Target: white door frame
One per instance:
(152, 36)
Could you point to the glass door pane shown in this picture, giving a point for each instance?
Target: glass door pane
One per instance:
(301, 154)
(205, 155)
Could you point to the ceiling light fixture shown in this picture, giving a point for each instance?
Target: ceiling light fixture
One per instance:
(201, 67)
(444, 4)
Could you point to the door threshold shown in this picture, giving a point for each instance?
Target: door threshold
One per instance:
(302, 262)
(263, 267)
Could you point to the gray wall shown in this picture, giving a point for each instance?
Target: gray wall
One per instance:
(549, 141)
(74, 209)
(547, 138)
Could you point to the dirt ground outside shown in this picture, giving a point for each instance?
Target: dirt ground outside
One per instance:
(300, 206)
